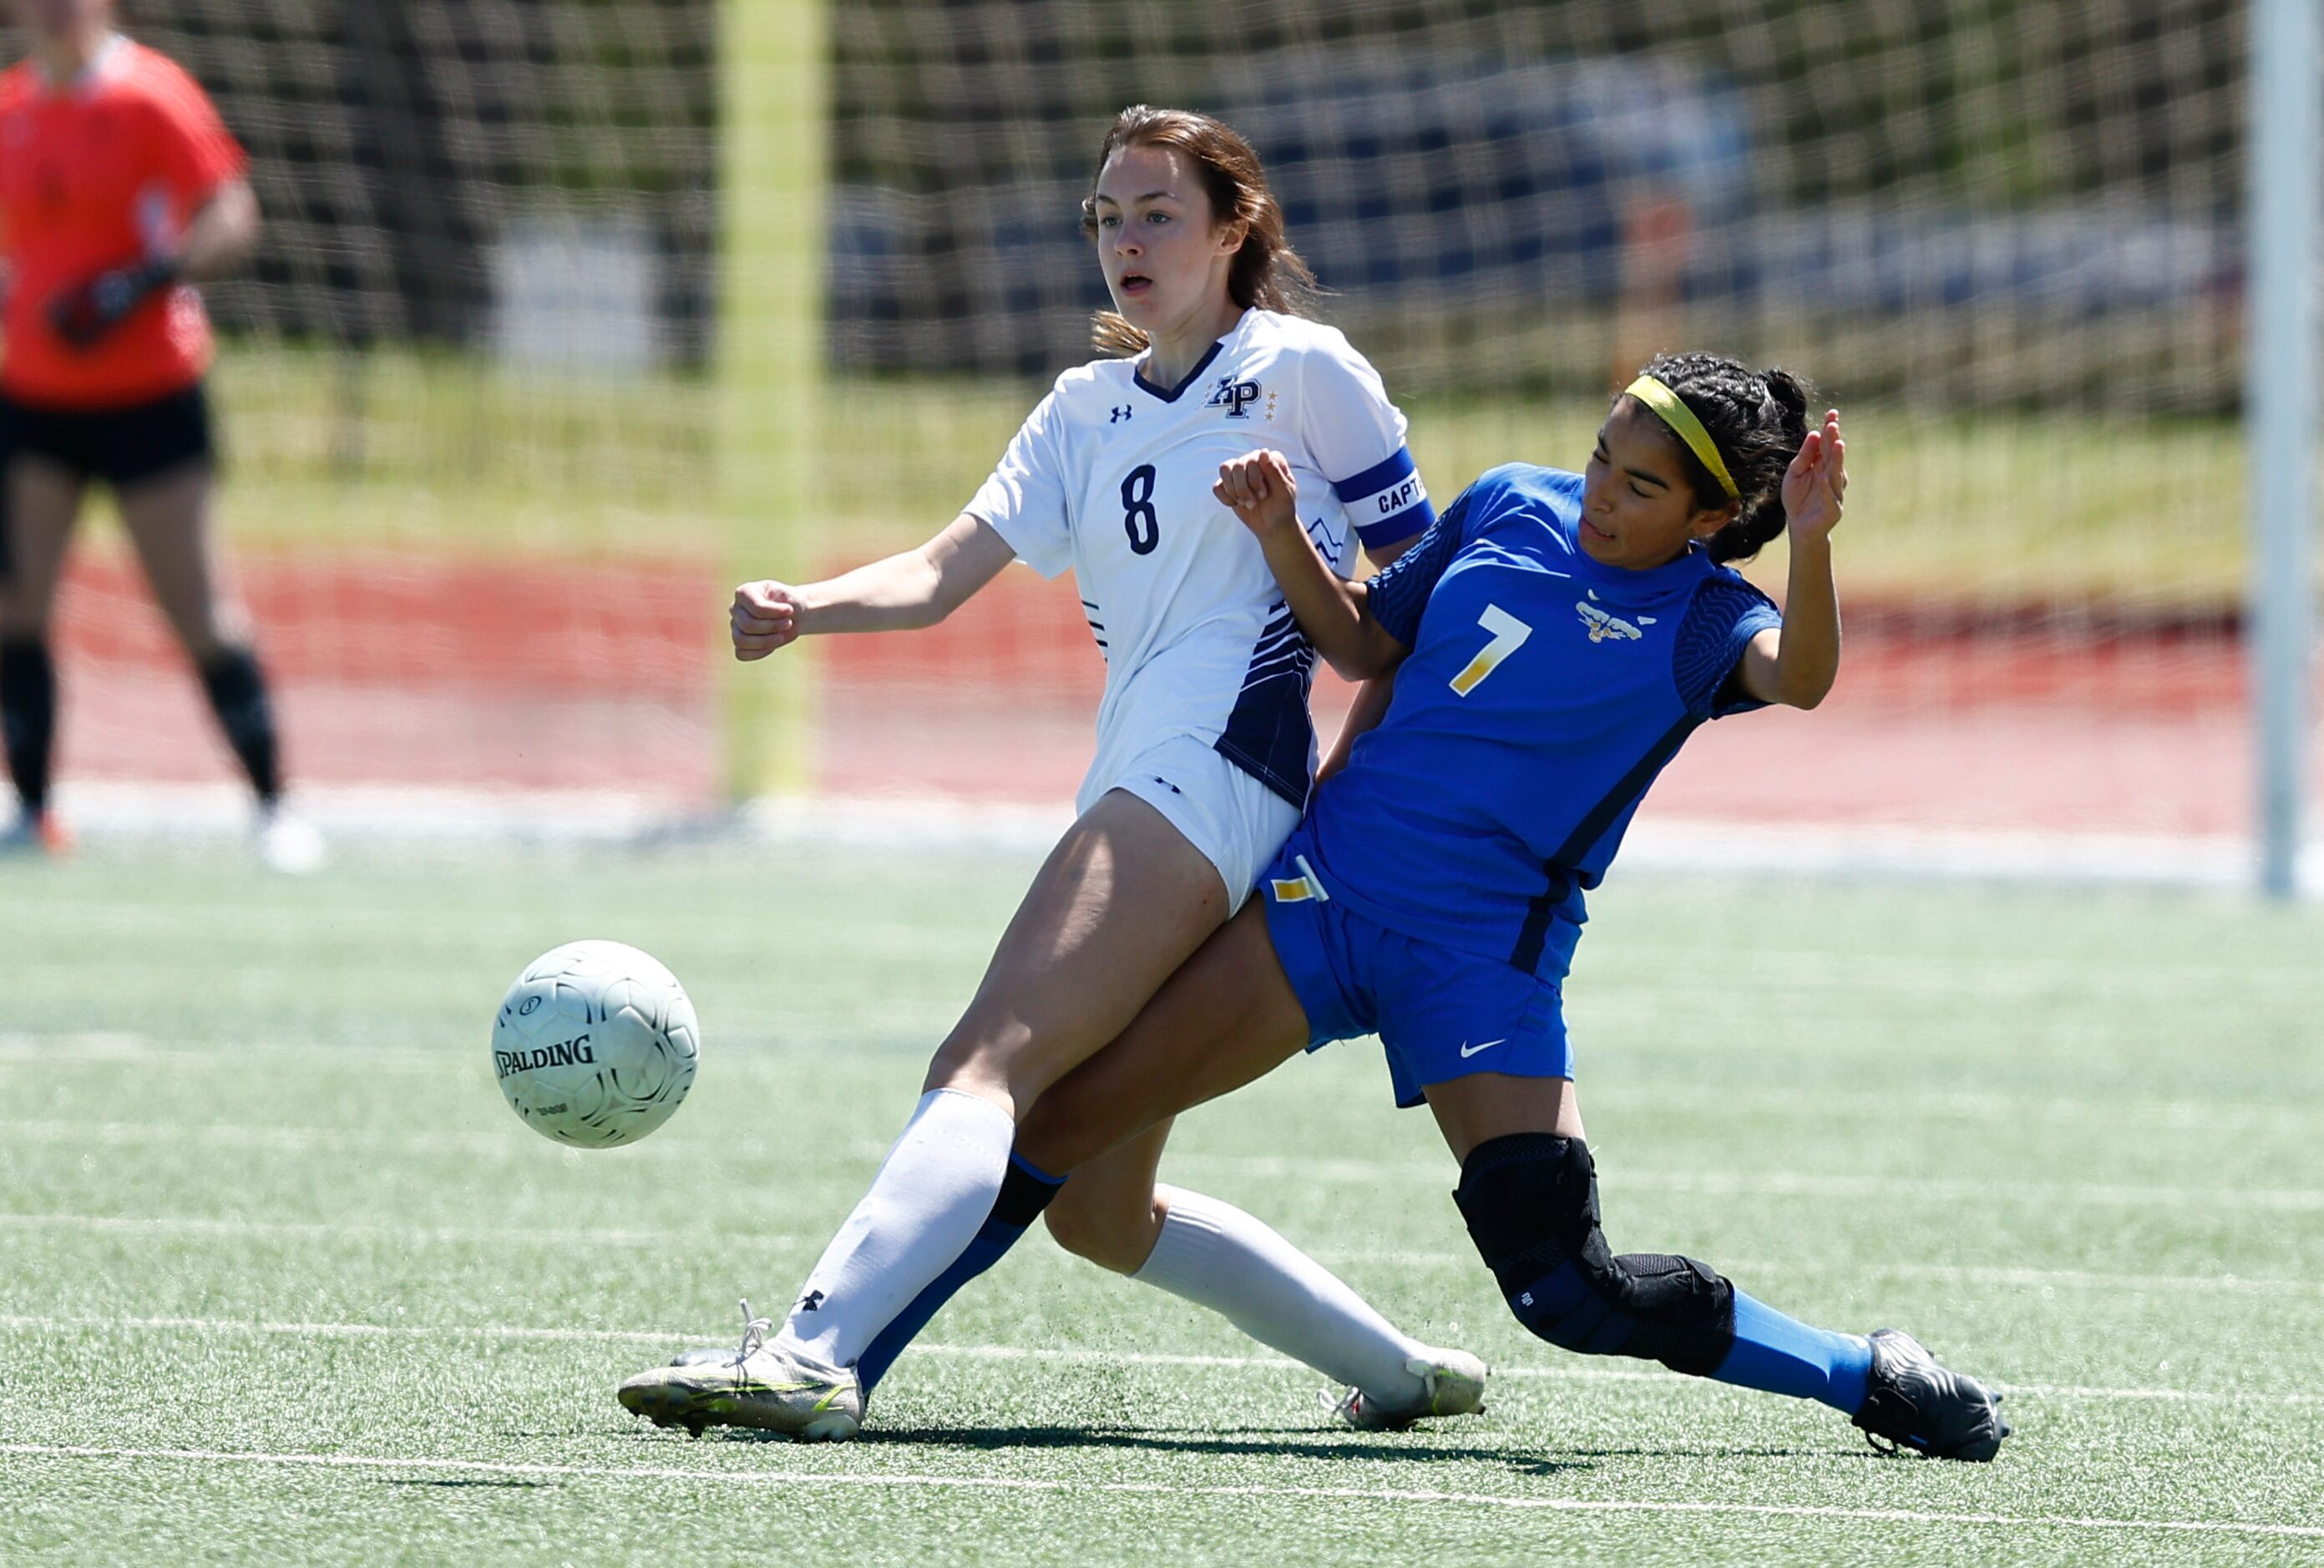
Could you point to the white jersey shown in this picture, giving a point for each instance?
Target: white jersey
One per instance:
(1111, 476)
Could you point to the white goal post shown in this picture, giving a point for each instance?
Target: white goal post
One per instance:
(2280, 407)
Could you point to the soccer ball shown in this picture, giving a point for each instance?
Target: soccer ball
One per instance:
(595, 1044)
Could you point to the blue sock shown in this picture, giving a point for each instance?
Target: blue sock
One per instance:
(1782, 1355)
(1025, 1191)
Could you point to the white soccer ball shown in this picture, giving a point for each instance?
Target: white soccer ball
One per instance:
(595, 1044)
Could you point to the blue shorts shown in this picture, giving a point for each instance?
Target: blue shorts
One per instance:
(1441, 1014)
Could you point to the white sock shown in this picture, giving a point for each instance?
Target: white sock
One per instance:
(1214, 1255)
(930, 1198)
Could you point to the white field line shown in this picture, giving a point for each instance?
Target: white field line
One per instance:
(102, 1049)
(268, 922)
(1802, 977)
(2053, 1278)
(385, 815)
(1935, 1273)
(324, 1231)
(282, 1139)
(2037, 1102)
(1784, 1183)
(2046, 1105)
(1256, 1167)
(1939, 1273)
(382, 818)
(662, 1339)
(214, 1456)
(1660, 1092)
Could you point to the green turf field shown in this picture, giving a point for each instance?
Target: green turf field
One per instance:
(281, 1279)
(445, 453)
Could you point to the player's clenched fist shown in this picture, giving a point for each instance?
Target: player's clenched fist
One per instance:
(764, 618)
(1257, 487)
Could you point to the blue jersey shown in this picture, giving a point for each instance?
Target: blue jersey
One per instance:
(1542, 695)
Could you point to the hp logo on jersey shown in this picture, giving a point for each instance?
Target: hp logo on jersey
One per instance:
(1234, 396)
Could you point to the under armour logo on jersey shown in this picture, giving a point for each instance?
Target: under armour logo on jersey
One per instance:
(1119, 411)
(810, 1301)
(1603, 625)
(1234, 396)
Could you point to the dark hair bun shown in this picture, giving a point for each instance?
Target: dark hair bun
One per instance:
(1758, 420)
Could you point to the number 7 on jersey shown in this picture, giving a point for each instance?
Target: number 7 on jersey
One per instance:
(1508, 635)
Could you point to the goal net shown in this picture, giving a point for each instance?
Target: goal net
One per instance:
(478, 384)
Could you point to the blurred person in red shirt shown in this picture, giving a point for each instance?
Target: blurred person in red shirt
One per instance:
(120, 189)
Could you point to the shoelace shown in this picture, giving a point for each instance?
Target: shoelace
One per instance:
(754, 1334)
(1887, 1447)
(1898, 1445)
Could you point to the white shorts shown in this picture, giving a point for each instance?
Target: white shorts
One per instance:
(1236, 821)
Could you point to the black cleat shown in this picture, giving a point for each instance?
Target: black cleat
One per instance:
(1914, 1403)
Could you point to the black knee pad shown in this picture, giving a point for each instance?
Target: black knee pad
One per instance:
(1531, 1201)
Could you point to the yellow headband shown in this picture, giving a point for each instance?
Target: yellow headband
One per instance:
(1681, 418)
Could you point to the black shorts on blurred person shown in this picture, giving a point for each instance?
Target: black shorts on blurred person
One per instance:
(122, 446)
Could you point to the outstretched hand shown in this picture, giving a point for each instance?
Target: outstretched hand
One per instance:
(1816, 482)
(765, 617)
(1258, 488)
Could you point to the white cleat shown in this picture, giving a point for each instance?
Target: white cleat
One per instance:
(287, 843)
(757, 1384)
(1452, 1384)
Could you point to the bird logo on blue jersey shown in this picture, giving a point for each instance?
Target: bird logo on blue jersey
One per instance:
(1603, 625)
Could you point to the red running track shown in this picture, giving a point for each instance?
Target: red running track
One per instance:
(407, 671)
